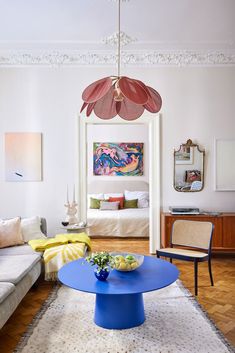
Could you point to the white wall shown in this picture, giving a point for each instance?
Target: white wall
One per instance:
(117, 133)
(198, 103)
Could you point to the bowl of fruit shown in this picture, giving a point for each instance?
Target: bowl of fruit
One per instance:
(126, 262)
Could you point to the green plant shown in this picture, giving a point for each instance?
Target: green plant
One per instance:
(103, 260)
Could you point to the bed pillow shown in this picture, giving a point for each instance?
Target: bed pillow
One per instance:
(10, 232)
(131, 203)
(142, 196)
(111, 206)
(120, 199)
(114, 194)
(31, 228)
(95, 203)
(94, 196)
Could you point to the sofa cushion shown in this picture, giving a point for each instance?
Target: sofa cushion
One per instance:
(10, 232)
(6, 288)
(14, 268)
(19, 250)
(31, 228)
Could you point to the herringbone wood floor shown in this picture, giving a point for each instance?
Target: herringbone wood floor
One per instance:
(218, 301)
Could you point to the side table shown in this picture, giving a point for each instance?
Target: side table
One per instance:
(75, 229)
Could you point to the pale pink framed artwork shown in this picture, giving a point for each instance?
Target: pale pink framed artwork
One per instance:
(23, 156)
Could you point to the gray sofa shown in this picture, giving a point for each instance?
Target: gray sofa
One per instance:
(20, 267)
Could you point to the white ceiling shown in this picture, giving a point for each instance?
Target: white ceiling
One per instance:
(81, 24)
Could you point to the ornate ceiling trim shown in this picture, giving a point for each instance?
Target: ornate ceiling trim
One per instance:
(112, 40)
(100, 58)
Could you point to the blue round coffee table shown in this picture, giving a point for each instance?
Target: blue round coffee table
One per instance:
(119, 299)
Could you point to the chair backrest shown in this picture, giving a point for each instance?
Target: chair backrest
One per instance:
(196, 234)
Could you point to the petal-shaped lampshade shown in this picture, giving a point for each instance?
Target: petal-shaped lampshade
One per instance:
(97, 90)
(129, 110)
(105, 108)
(90, 107)
(154, 103)
(120, 95)
(132, 90)
(124, 96)
(118, 106)
(83, 106)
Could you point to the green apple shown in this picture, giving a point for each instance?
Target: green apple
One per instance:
(130, 257)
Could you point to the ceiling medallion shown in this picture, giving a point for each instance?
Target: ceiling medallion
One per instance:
(113, 39)
(120, 95)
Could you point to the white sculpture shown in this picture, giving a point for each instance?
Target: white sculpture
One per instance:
(71, 208)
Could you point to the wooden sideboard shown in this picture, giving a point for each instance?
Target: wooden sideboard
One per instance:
(224, 231)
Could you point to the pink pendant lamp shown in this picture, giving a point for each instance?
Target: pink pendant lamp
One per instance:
(120, 95)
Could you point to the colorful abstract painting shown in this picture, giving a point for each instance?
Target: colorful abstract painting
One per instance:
(123, 159)
(23, 156)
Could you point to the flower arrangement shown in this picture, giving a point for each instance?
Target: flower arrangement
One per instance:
(103, 260)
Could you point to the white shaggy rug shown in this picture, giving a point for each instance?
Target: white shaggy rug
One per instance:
(175, 323)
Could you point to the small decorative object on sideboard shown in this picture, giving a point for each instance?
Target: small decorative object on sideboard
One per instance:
(103, 263)
(71, 208)
(184, 210)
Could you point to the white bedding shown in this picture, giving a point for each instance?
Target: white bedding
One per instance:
(130, 222)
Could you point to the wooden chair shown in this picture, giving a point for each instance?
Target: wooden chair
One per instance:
(195, 235)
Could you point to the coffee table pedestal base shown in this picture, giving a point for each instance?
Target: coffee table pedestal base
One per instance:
(119, 311)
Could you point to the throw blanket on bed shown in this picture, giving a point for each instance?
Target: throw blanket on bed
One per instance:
(60, 250)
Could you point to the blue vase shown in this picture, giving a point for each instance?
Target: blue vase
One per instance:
(101, 275)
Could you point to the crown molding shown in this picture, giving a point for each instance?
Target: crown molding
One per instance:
(101, 58)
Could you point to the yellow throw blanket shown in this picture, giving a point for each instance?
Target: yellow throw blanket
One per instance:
(58, 256)
(60, 250)
(60, 239)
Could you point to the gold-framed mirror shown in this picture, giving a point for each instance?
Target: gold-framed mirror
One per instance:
(189, 168)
